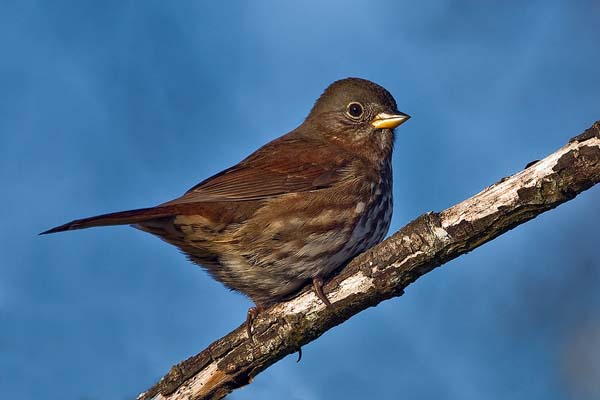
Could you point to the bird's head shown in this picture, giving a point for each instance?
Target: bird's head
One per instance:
(356, 112)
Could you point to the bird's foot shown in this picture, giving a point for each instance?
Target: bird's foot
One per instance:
(318, 287)
(250, 317)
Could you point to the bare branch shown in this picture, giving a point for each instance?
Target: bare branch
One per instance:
(385, 270)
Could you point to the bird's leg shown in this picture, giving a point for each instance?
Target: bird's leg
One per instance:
(252, 314)
(318, 287)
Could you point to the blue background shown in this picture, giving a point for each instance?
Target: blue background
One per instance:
(114, 105)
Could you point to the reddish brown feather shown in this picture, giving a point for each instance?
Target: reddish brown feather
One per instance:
(117, 218)
(293, 163)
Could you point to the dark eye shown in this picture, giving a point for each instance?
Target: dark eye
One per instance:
(355, 110)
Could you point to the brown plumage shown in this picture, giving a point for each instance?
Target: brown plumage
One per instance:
(296, 209)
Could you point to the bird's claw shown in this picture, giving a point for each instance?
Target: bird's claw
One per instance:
(318, 287)
(250, 317)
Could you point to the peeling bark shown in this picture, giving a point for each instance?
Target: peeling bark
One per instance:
(385, 270)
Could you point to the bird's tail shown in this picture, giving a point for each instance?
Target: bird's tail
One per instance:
(118, 218)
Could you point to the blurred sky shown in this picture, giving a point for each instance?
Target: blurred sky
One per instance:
(112, 105)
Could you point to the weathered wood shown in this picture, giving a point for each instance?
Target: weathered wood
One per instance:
(384, 271)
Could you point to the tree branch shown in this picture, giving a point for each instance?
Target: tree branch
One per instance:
(384, 271)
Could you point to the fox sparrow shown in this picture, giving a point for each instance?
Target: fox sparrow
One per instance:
(293, 211)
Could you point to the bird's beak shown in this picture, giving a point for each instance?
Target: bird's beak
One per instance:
(388, 120)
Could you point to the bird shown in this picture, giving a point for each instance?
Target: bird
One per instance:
(293, 212)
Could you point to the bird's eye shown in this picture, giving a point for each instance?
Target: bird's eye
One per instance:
(355, 110)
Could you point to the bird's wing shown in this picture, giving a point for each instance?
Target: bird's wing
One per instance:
(286, 165)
